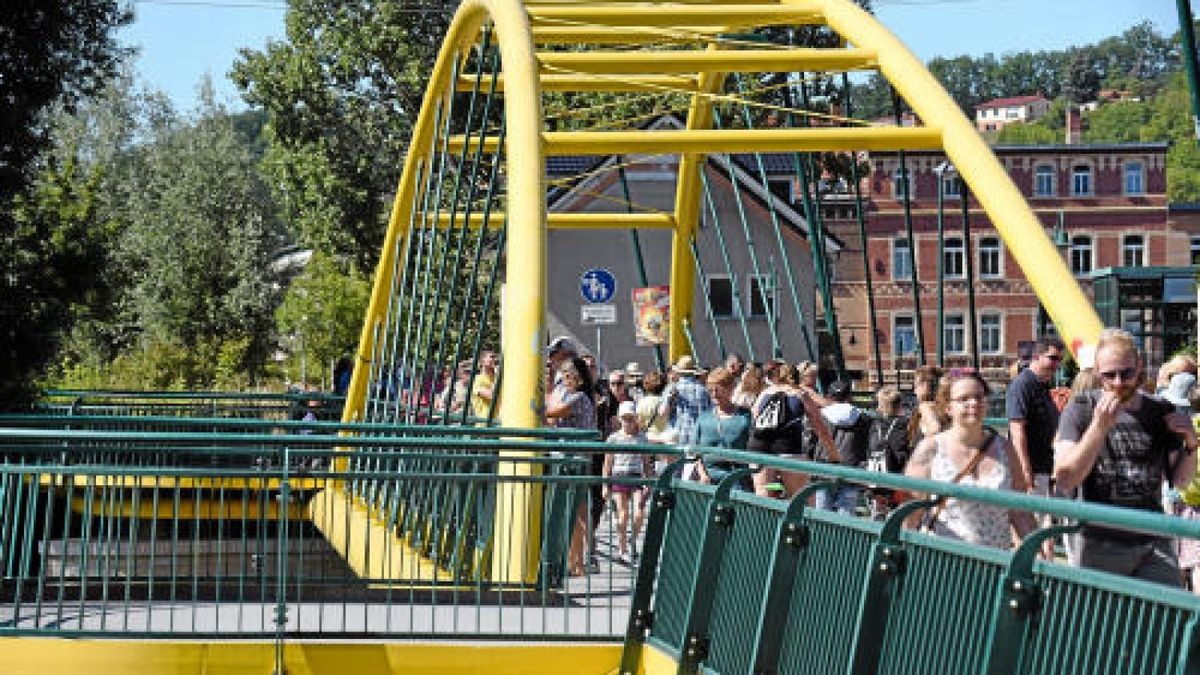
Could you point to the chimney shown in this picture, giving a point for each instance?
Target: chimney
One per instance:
(1074, 124)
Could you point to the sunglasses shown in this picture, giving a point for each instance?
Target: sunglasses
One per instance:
(1054, 357)
(1124, 374)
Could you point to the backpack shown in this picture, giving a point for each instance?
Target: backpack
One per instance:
(888, 450)
(776, 419)
(853, 441)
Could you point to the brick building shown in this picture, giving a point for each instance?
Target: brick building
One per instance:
(1108, 203)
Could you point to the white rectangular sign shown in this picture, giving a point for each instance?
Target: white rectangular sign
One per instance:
(591, 315)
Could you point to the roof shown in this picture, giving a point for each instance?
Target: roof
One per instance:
(1056, 148)
(1010, 101)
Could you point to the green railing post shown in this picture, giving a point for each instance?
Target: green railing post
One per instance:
(1019, 603)
(887, 567)
(720, 522)
(640, 616)
(791, 538)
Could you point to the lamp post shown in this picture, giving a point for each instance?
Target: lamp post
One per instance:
(940, 171)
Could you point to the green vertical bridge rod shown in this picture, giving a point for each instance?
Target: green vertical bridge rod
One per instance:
(773, 209)
(738, 310)
(965, 192)
(906, 196)
(860, 217)
(768, 306)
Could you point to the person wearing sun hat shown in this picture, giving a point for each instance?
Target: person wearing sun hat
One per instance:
(685, 400)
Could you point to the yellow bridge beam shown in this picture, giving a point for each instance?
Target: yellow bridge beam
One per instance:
(576, 221)
(741, 60)
(592, 83)
(816, 139)
(670, 16)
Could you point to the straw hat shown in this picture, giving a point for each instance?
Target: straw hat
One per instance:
(686, 365)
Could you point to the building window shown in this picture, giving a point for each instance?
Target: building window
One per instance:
(989, 257)
(950, 187)
(904, 334)
(1133, 250)
(898, 182)
(954, 334)
(1081, 254)
(1195, 248)
(901, 270)
(953, 258)
(761, 288)
(720, 296)
(1043, 181)
(1135, 183)
(991, 333)
(1081, 180)
(782, 189)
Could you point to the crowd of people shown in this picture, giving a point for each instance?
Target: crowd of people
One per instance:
(1112, 438)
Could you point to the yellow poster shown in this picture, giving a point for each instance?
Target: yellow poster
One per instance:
(652, 310)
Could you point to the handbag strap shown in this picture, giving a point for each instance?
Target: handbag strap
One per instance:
(989, 436)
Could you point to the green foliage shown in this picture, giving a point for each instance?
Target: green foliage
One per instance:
(322, 313)
(341, 95)
(1028, 134)
(54, 51)
(210, 364)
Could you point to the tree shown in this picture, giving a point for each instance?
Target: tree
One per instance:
(1082, 78)
(341, 95)
(55, 51)
(322, 313)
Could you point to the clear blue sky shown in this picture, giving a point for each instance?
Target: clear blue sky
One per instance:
(181, 40)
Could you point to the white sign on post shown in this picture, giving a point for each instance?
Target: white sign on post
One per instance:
(595, 315)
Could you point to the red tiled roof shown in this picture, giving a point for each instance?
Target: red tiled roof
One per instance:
(1010, 101)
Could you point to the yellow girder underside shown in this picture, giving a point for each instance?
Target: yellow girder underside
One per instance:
(647, 48)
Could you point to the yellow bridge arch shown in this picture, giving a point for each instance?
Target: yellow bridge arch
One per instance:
(591, 31)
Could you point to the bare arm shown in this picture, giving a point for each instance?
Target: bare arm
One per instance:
(813, 410)
(1073, 460)
(1185, 467)
(1020, 452)
(1022, 521)
(920, 465)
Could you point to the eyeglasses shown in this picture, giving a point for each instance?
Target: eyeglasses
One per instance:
(616, 383)
(977, 398)
(1054, 357)
(1123, 375)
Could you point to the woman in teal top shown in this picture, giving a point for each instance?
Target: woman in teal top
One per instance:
(725, 426)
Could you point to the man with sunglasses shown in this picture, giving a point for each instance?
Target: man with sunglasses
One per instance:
(1118, 446)
(1032, 415)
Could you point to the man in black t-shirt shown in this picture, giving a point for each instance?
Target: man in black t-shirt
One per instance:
(1033, 419)
(1118, 446)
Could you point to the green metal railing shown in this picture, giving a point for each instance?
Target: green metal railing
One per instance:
(729, 582)
(747, 584)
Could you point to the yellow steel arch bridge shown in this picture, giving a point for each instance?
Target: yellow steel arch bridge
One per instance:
(464, 268)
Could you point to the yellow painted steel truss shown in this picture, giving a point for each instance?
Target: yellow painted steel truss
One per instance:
(677, 46)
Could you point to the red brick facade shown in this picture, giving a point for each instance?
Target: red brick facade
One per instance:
(1098, 193)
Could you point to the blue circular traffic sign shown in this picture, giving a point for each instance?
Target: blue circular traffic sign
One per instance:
(597, 285)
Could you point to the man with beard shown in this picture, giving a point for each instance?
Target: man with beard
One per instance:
(1118, 446)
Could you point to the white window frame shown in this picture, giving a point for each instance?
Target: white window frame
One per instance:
(901, 262)
(1089, 177)
(1089, 248)
(772, 296)
(733, 296)
(1136, 250)
(990, 251)
(951, 187)
(954, 324)
(956, 254)
(991, 337)
(911, 330)
(1053, 180)
(1136, 188)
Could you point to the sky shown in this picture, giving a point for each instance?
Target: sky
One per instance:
(179, 41)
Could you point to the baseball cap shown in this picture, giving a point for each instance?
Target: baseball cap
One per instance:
(560, 344)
